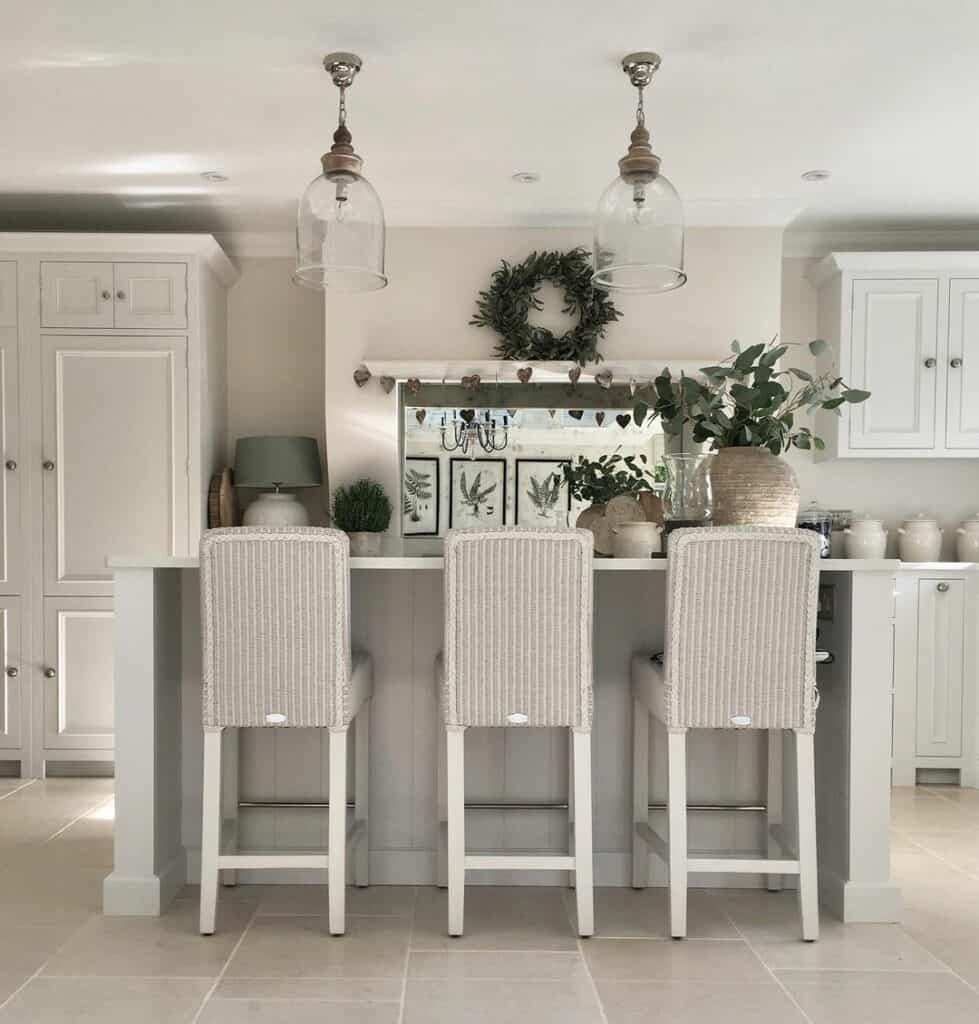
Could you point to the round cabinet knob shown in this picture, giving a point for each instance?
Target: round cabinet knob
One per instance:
(930, 362)
(11, 464)
(47, 465)
(107, 294)
(942, 588)
(120, 294)
(13, 671)
(955, 363)
(50, 673)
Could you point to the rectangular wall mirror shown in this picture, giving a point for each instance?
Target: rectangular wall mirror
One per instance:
(493, 456)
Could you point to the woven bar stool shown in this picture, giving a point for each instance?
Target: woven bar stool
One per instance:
(740, 654)
(518, 653)
(276, 622)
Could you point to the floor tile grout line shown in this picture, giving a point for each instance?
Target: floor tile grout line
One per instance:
(61, 831)
(566, 903)
(937, 856)
(227, 963)
(25, 784)
(404, 980)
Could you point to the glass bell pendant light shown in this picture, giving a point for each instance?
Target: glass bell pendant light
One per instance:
(638, 245)
(340, 227)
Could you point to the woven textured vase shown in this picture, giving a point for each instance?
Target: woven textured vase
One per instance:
(752, 487)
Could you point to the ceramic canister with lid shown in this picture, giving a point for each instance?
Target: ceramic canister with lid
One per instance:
(865, 538)
(967, 540)
(919, 539)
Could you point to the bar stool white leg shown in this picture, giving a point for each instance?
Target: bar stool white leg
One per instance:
(584, 874)
(229, 800)
(773, 801)
(362, 725)
(808, 877)
(441, 865)
(337, 872)
(456, 808)
(640, 793)
(677, 812)
(211, 828)
(571, 845)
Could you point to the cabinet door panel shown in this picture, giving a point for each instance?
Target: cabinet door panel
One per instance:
(962, 424)
(941, 624)
(11, 686)
(76, 295)
(11, 468)
(151, 295)
(78, 648)
(894, 338)
(8, 294)
(115, 438)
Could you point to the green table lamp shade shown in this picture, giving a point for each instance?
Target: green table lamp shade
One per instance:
(277, 462)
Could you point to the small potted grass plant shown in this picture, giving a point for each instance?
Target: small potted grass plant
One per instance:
(363, 512)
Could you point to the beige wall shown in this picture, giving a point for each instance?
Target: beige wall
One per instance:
(275, 361)
(282, 375)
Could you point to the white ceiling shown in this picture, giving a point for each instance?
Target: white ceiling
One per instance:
(111, 110)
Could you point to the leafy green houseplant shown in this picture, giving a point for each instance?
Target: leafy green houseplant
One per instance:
(363, 511)
(747, 409)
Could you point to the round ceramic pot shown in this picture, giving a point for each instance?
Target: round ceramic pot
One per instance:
(865, 538)
(967, 540)
(636, 540)
(752, 487)
(363, 544)
(602, 519)
(919, 540)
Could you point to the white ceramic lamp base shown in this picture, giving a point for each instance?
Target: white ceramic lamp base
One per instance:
(276, 509)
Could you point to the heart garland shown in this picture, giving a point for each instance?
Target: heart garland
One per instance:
(361, 376)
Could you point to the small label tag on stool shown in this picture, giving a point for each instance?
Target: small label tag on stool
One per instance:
(275, 719)
(741, 720)
(518, 718)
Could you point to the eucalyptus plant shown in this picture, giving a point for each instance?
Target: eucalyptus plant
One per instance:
(599, 480)
(745, 402)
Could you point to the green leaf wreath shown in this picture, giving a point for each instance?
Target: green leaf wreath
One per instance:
(506, 304)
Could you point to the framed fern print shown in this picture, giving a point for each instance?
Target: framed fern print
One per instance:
(543, 498)
(477, 492)
(420, 497)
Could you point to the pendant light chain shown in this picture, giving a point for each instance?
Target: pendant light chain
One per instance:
(640, 110)
(343, 106)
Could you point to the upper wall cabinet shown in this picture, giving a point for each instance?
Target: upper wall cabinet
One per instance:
(127, 296)
(905, 327)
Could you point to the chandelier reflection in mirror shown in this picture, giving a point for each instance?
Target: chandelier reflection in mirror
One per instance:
(468, 432)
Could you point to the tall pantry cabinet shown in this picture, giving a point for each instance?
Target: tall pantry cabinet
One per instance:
(112, 420)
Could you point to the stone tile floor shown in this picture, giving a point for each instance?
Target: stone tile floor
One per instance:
(271, 960)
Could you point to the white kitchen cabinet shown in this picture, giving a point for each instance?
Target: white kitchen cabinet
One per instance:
(905, 327)
(11, 469)
(114, 455)
(77, 674)
(14, 677)
(115, 421)
(935, 674)
(76, 295)
(150, 295)
(8, 293)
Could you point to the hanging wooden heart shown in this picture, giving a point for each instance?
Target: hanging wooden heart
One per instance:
(420, 416)
(512, 413)
(599, 417)
(576, 414)
(551, 412)
(623, 419)
(574, 374)
(525, 373)
(604, 379)
(361, 376)
(471, 382)
(632, 387)
(413, 384)
(467, 415)
(388, 384)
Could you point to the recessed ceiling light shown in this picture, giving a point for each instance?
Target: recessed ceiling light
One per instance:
(525, 177)
(819, 174)
(214, 177)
